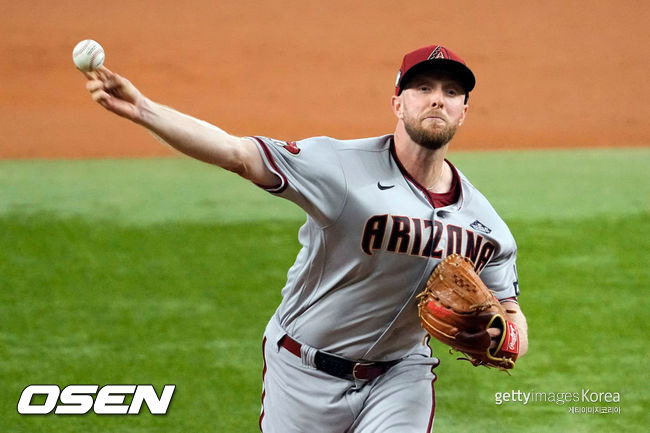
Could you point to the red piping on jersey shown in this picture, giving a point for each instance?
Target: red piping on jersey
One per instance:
(436, 200)
(433, 390)
(269, 156)
(433, 403)
(263, 377)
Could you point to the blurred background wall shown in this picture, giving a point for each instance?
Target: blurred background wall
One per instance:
(549, 73)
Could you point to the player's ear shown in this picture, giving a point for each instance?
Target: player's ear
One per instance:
(464, 114)
(396, 104)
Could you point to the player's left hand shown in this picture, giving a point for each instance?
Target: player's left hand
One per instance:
(495, 336)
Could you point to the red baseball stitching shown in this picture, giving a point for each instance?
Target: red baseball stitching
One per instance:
(81, 48)
(92, 58)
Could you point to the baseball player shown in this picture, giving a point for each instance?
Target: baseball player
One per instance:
(345, 352)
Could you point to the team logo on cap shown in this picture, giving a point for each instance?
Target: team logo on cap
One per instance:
(439, 53)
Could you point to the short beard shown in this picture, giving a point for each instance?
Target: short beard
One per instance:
(433, 140)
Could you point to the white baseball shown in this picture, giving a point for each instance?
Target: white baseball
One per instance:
(88, 55)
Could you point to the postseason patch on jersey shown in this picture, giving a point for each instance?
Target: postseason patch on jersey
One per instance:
(477, 225)
(289, 146)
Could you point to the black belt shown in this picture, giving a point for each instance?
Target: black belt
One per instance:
(340, 367)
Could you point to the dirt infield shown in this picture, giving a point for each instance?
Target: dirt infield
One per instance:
(550, 74)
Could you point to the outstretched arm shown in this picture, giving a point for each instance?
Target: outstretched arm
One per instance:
(189, 135)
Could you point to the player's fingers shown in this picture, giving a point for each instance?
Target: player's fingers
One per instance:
(106, 73)
(107, 101)
(88, 74)
(114, 82)
(94, 85)
(494, 332)
(104, 70)
(122, 88)
(111, 79)
(100, 96)
(114, 104)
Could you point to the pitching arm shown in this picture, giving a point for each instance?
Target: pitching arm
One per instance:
(189, 135)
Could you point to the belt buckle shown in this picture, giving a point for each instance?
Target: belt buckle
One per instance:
(357, 365)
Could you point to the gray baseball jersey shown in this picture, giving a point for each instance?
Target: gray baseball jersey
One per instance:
(371, 239)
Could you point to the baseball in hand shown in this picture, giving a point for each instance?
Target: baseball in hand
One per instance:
(88, 55)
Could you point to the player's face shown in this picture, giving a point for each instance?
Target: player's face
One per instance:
(432, 107)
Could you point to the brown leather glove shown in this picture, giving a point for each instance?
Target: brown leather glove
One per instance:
(457, 309)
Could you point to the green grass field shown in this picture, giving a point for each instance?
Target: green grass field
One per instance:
(165, 271)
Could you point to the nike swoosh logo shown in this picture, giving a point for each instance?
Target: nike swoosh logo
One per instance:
(382, 187)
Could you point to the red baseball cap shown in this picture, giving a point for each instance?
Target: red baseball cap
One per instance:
(434, 57)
